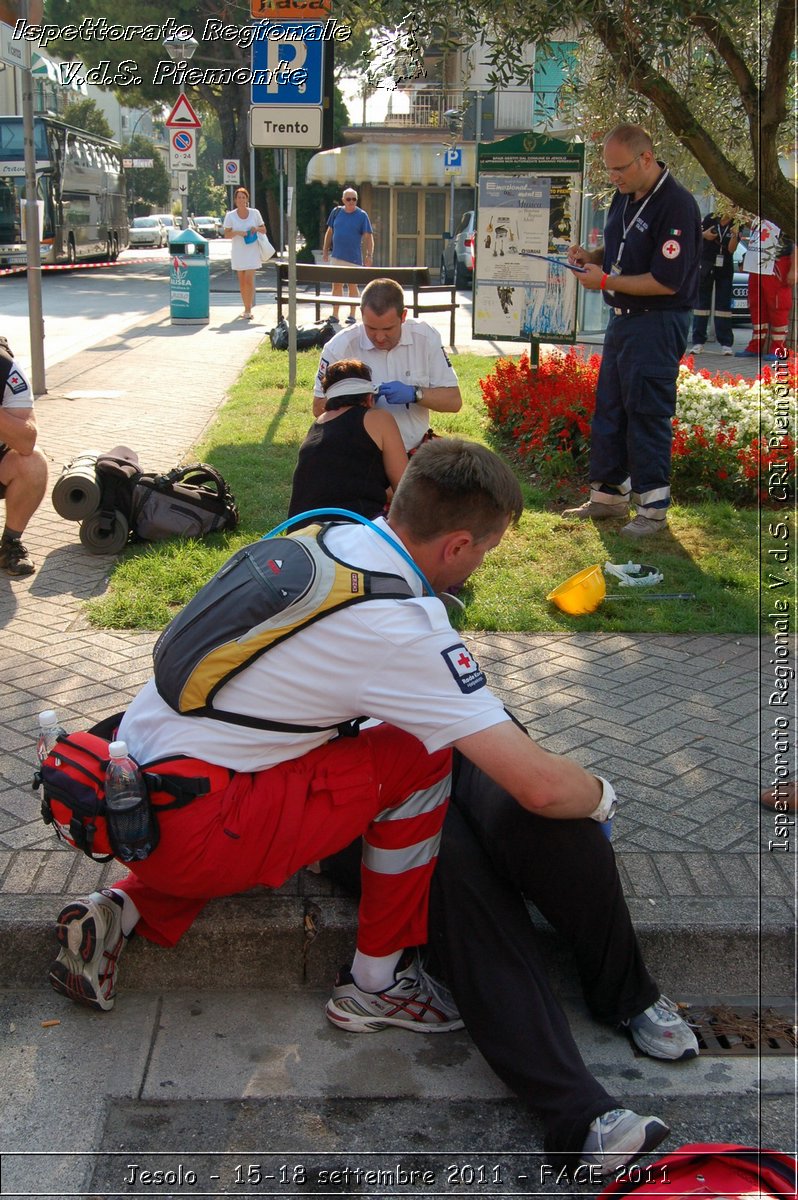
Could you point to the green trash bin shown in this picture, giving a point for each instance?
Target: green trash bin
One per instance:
(189, 279)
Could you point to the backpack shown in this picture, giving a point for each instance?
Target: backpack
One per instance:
(704, 1169)
(188, 501)
(261, 596)
(310, 338)
(72, 779)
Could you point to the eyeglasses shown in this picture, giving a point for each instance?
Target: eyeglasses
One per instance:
(625, 167)
(350, 199)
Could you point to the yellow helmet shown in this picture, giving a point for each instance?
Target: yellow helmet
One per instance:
(581, 593)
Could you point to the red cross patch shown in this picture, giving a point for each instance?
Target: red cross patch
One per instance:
(464, 667)
(671, 249)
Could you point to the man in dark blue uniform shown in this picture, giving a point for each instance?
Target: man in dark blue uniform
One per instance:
(648, 271)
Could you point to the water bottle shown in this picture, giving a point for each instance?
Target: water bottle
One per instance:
(127, 806)
(49, 733)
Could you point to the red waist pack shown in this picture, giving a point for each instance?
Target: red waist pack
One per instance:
(706, 1170)
(72, 779)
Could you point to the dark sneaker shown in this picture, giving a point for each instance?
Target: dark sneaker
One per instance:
(414, 1001)
(618, 1137)
(662, 1033)
(14, 558)
(90, 933)
(596, 511)
(351, 320)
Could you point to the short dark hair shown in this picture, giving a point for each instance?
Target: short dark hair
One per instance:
(345, 368)
(453, 484)
(382, 296)
(634, 136)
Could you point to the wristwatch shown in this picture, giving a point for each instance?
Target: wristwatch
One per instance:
(418, 395)
(607, 804)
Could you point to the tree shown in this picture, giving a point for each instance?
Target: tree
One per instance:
(148, 187)
(718, 72)
(84, 114)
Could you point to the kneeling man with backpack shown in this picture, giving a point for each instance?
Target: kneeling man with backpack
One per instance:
(265, 676)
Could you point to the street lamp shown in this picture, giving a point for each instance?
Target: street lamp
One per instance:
(181, 48)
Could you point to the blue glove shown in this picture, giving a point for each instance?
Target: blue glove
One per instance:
(397, 393)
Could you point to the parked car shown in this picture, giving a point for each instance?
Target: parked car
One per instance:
(148, 231)
(739, 302)
(457, 260)
(170, 222)
(209, 227)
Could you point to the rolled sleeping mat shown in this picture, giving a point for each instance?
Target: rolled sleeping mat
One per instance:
(77, 492)
(98, 538)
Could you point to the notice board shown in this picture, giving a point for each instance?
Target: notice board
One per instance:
(529, 203)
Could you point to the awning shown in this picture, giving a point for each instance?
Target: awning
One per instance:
(42, 67)
(384, 165)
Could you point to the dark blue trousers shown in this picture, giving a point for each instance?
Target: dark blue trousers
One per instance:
(494, 855)
(721, 282)
(631, 435)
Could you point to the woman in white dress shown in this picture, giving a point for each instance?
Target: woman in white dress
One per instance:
(241, 226)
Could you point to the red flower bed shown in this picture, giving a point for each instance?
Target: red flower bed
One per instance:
(547, 414)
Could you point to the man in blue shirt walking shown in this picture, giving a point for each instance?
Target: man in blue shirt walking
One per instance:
(648, 271)
(348, 242)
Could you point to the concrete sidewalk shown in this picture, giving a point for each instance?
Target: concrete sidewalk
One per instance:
(673, 720)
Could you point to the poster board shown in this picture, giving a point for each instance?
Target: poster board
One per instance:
(529, 202)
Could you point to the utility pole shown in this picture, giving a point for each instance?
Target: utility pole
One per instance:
(32, 242)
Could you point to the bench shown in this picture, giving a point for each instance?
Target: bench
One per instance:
(413, 279)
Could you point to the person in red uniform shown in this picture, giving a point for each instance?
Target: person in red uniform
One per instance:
(770, 262)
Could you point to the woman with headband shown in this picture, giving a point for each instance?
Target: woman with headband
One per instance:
(353, 452)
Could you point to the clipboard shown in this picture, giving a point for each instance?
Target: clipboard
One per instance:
(559, 262)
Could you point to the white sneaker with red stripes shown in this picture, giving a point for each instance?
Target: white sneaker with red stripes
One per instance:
(414, 1001)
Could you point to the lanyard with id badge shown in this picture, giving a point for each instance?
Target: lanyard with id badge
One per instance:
(723, 235)
(615, 269)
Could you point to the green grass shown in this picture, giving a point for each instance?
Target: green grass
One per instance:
(709, 549)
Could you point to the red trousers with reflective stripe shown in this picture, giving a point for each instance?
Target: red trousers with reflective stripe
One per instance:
(769, 302)
(264, 826)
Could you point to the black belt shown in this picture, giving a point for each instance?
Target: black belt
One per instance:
(635, 312)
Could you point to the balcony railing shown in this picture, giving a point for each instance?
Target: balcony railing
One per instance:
(420, 107)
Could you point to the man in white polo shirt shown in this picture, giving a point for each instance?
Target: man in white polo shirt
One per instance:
(406, 357)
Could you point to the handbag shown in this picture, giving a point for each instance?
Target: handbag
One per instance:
(265, 247)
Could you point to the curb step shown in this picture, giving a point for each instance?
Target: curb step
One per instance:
(261, 939)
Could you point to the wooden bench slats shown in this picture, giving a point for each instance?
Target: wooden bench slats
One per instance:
(415, 279)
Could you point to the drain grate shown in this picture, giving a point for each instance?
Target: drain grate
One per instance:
(742, 1032)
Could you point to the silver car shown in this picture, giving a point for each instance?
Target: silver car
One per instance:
(457, 260)
(147, 231)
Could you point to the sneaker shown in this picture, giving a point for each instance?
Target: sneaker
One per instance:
(414, 1001)
(698, 348)
(90, 933)
(14, 558)
(595, 510)
(727, 350)
(643, 527)
(350, 320)
(662, 1033)
(618, 1137)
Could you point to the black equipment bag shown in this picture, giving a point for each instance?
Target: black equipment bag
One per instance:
(186, 502)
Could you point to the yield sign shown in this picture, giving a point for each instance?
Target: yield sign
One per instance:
(183, 115)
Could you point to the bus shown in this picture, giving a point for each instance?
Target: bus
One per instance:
(80, 187)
